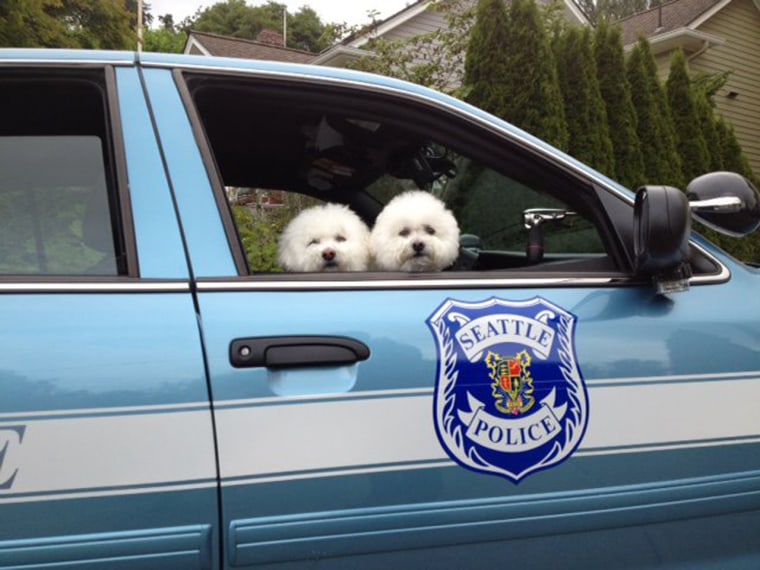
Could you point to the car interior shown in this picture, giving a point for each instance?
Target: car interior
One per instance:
(360, 149)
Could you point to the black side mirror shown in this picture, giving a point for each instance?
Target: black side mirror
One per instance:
(726, 202)
(661, 229)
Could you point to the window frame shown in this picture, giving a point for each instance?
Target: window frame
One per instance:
(611, 210)
(102, 78)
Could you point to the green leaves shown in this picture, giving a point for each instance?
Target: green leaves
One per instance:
(510, 69)
(690, 141)
(235, 18)
(621, 115)
(584, 107)
(94, 24)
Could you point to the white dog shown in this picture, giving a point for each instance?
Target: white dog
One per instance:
(415, 232)
(330, 237)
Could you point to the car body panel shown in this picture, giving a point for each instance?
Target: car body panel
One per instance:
(128, 439)
(160, 246)
(105, 414)
(207, 243)
(367, 457)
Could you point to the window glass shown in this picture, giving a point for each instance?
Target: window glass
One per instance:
(54, 215)
(493, 208)
(56, 178)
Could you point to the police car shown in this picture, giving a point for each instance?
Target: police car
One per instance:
(579, 390)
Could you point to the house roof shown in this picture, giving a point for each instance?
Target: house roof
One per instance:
(224, 46)
(669, 17)
(351, 47)
(361, 37)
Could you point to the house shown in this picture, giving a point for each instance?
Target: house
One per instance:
(716, 36)
(414, 20)
(269, 45)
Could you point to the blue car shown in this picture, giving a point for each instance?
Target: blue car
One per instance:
(578, 389)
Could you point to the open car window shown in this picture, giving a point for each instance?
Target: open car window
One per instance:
(279, 148)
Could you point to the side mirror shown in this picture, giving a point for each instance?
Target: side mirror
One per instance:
(726, 202)
(661, 228)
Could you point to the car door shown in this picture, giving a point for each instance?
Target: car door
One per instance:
(549, 412)
(107, 456)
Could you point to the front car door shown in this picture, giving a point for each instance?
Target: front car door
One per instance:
(542, 409)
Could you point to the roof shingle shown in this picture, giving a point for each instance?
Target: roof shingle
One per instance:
(224, 46)
(670, 16)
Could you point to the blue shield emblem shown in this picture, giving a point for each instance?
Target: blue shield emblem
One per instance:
(509, 398)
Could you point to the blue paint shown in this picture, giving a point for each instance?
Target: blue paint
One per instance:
(159, 244)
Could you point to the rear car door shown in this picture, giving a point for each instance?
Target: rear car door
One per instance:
(107, 456)
(550, 410)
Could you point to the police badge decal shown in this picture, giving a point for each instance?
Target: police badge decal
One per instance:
(509, 398)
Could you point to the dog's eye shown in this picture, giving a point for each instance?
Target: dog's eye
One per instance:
(405, 232)
(314, 242)
(339, 238)
(430, 230)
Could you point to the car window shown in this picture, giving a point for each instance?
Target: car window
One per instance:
(495, 210)
(55, 185)
(54, 216)
(279, 150)
(260, 215)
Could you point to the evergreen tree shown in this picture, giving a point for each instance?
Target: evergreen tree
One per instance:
(662, 165)
(487, 67)
(707, 124)
(733, 158)
(665, 119)
(531, 84)
(695, 159)
(621, 115)
(585, 112)
(704, 88)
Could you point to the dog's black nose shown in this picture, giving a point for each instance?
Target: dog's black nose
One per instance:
(418, 246)
(328, 254)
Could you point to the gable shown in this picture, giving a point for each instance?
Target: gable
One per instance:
(203, 43)
(414, 20)
(666, 18)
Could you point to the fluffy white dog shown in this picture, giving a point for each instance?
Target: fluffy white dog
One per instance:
(330, 237)
(414, 232)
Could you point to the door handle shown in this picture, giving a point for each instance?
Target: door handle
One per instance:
(292, 351)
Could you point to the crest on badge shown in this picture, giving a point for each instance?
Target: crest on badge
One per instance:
(510, 398)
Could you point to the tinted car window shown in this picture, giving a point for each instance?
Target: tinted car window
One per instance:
(56, 180)
(54, 216)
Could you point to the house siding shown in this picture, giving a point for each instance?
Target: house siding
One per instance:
(739, 24)
(425, 23)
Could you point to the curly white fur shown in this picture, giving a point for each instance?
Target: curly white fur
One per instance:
(330, 237)
(414, 232)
